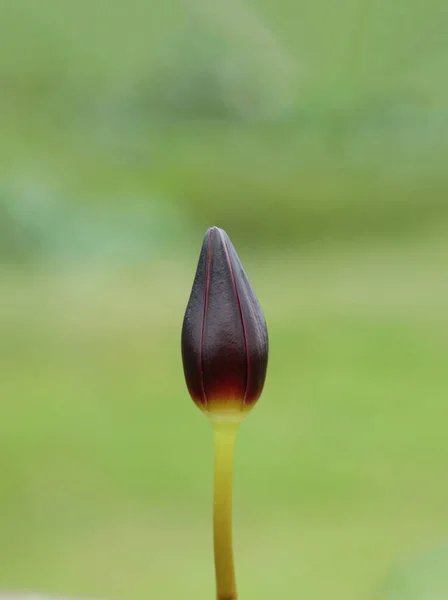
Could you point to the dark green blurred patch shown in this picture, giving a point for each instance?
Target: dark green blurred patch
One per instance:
(205, 73)
(43, 225)
(295, 185)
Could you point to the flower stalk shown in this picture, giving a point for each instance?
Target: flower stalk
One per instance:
(224, 431)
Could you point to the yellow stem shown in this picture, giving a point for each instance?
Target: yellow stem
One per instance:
(225, 435)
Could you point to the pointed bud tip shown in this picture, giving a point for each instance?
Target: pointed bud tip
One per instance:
(224, 334)
(215, 231)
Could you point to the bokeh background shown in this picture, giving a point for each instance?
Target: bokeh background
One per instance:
(316, 134)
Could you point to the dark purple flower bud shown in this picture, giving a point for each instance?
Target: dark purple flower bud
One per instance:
(224, 335)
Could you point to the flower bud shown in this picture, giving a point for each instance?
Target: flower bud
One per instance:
(224, 334)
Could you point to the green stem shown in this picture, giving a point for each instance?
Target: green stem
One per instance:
(225, 435)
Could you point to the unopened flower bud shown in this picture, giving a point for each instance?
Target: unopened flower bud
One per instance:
(224, 334)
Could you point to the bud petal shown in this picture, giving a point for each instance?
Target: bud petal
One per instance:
(224, 335)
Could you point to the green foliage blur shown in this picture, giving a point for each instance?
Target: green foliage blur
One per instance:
(316, 134)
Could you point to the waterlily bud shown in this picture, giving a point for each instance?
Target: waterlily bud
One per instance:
(224, 334)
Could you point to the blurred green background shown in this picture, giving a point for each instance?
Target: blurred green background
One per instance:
(316, 134)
